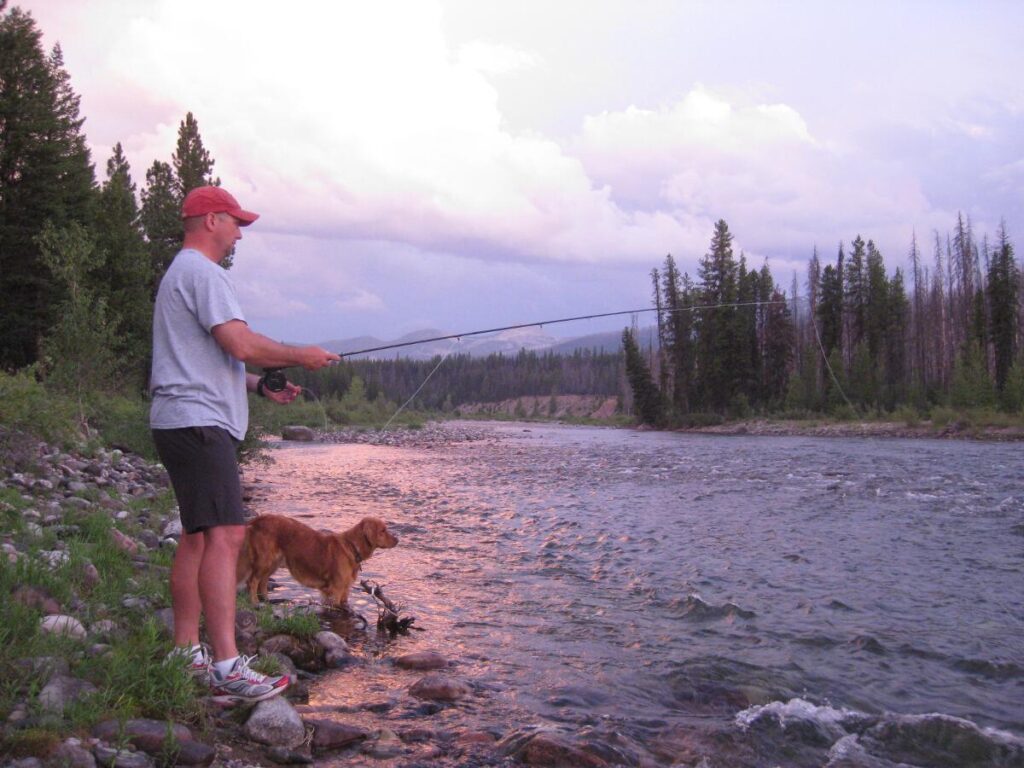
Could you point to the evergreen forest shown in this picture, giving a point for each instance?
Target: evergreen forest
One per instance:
(856, 342)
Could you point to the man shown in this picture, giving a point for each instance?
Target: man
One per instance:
(199, 413)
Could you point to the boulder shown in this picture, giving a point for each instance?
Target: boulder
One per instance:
(276, 723)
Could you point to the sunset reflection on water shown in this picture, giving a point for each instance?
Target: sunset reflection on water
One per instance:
(647, 581)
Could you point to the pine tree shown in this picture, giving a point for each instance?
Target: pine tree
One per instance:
(719, 346)
(125, 276)
(161, 219)
(46, 176)
(193, 166)
(1004, 305)
(647, 398)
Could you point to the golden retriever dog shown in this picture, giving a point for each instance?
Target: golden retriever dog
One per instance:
(325, 561)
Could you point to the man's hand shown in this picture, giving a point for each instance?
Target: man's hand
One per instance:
(314, 358)
(285, 396)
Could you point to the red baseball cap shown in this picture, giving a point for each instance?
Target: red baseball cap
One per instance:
(203, 200)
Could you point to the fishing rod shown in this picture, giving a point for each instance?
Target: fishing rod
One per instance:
(275, 380)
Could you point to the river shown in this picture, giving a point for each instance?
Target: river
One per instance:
(666, 596)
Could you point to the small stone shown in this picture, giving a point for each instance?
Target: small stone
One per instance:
(77, 502)
(385, 745)
(36, 597)
(147, 735)
(440, 688)
(104, 628)
(54, 557)
(112, 757)
(62, 689)
(90, 576)
(173, 528)
(71, 754)
(195, 753)
(63, 625)
(124, 542)
(299, 434)
(423, 660)
(328, 735)
(285, 756)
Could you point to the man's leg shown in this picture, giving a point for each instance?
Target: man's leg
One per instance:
(185, 589)
(217, 586)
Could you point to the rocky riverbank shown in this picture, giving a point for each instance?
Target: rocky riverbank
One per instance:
(80, 645)
(957, 430)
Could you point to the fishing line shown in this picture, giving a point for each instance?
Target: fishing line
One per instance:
(421, 386)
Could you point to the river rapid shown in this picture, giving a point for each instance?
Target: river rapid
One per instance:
(671, 598)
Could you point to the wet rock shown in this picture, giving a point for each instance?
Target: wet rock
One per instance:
(62, 690)
(285, 756)
(336, 653)
(36, 597)
(148, 735)
(112, 757)
(384, 745)
(423, 660)
(306, 655)
(61, 624)
(276, 723)
(940, 740)
(299, 434)
(440, 688)
(71, 754)
(548, 749)
(328, 734)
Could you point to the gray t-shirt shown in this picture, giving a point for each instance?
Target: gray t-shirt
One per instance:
(194, 382)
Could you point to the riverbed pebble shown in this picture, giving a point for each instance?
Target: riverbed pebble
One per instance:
(437, 687)
(330, 734)
(422, 661)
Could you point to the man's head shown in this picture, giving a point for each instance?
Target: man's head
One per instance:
(203, 200)
(212, 219)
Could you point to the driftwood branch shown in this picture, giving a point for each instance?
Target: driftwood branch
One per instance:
(388, 614)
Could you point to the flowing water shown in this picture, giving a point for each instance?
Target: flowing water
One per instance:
(661, 596)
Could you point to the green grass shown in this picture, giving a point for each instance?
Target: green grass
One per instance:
(298, 622)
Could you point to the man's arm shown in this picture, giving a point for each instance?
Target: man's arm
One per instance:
(238, 340)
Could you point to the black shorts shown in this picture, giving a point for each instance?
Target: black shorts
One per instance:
(204, 473)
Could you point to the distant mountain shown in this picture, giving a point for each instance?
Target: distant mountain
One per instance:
(508, 343)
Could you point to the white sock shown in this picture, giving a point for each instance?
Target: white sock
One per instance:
(222, 668)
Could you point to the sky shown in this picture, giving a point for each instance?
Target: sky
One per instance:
(465, 164)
